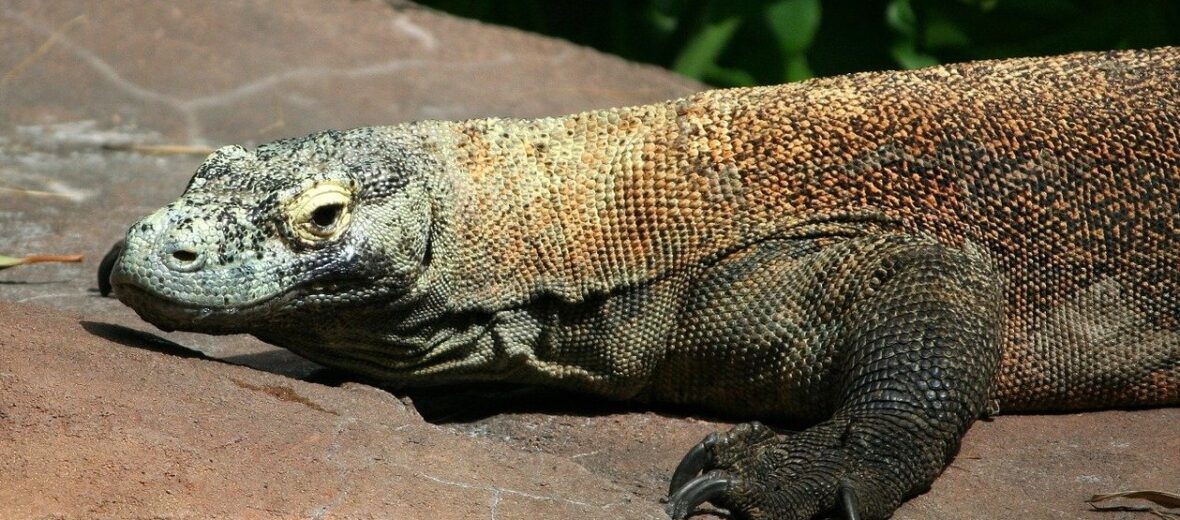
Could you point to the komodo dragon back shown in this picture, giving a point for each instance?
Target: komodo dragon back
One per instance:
(879, 255)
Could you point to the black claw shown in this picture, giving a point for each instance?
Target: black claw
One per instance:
(106, 266)
(849, 505)
(702, 489)
(691, 465)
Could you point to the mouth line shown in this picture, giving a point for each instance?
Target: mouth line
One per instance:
(156, 298)
(301, 290)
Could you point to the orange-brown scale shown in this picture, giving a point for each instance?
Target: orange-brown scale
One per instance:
(1066, 169)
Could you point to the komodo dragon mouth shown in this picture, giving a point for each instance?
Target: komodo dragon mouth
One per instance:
(170, 315)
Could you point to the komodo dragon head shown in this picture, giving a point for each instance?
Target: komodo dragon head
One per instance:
(297, 230)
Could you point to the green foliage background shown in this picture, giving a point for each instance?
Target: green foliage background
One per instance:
(746, 42)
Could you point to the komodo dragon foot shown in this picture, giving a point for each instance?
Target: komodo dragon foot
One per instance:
(751, 469)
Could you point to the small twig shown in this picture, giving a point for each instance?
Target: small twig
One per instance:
(160, 149)
(37, 259)
(41, 50)
(32, 193)
(10, 261)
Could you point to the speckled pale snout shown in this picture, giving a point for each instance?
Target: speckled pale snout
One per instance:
(193, 263)
(176, 243)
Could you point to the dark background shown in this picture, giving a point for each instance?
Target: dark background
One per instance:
(747, 42)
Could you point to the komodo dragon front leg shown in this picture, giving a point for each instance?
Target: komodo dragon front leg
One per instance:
(898, 335)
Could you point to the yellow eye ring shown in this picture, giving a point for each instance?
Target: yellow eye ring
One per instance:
(320, 213)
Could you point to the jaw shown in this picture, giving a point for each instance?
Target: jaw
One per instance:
(296, 308)
(170, 315)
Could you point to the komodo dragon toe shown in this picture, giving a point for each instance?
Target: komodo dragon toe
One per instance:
(757, 474)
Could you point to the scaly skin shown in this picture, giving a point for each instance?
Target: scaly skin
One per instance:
(878, 254)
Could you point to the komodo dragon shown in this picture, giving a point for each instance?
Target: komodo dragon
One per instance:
(883, 255)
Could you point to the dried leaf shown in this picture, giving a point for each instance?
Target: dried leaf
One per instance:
(12, 261)
(8, 261)
(1159, 497)
(1167, 500)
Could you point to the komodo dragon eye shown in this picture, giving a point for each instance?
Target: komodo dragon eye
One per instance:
(320, 213)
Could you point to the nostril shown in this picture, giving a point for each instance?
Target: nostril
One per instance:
(184, 255)
(184, 259)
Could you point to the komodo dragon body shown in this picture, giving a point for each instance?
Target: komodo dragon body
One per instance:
(882, 255)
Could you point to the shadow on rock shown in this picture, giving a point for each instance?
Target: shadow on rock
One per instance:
(471, 402)
(281, 362)
(442, 404)
(130, 337)
(37, 282)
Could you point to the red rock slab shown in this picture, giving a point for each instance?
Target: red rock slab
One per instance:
(102, 416)
(92, 428)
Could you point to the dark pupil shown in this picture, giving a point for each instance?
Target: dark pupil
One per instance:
(325, 216)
